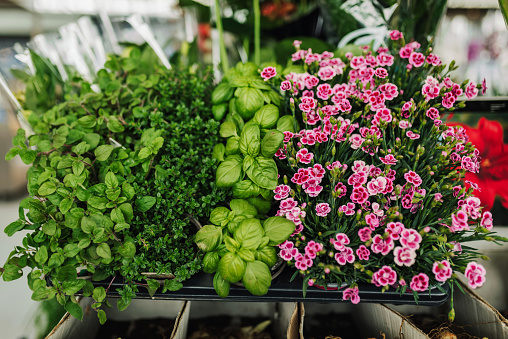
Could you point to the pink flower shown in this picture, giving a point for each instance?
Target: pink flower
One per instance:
(433, 60)
(340, 241)
(413, 178)
(285, 85)
(471, 90)
(419, 283)
(381, 72)
(304, 156)
(310, 81)
(348, 209)
(394, 229)
(404, 256)
(487, 220)
(410, 238)
(364, 234)
(416, 59)
(372, 220)
(476, 274)
(432, 113)
(457, 247)
(340, 189)
(459, 221)
(380, 245)
(403, 124)
(448, 100)
(281, 192)
(388, 160)
(268, 73)
(322, 209)
(326, 73)
(345, 256)
(324, 91)
(357, 62)
(288, 204)
(442, 270)
(384, 276)
(359, 195)
(389, 90)
(363, 252)
(412, 135)
(297, 43)
(396, 35)
(430, 91)
(356, 141)
(351, 294)
(384, 59)
(484, 86)
(405, 52)
(384, 114)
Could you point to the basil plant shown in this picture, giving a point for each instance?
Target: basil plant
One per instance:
(241, 247)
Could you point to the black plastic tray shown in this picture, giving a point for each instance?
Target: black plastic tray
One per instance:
(200, 287)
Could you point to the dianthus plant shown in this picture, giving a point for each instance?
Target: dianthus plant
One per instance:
(372, 181)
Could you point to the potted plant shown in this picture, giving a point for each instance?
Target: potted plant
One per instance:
(115, 178)
(372, 180)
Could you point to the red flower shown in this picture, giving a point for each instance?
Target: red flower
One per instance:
(493, 176)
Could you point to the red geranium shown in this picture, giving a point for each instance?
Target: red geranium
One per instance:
(493, 176)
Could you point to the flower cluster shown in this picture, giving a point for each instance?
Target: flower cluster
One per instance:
(372, 180)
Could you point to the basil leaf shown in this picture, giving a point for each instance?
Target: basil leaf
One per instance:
(221, 286)
(257, 278)
(267, 116)
(263, 173)
(223, 92)
(262, 205)
(229, 171)
(278, 229)
(271, 143)
(245, 189)
(248, 101)
(233, 146)
(219, 111)
(211, 262)
(243, 208)
(249, 233)
(231, 267)
(286, 123)
(218, 152)
(250, 140)
(267, 254)
(208, 238)
(227, 129)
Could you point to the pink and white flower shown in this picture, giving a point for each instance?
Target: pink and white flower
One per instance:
(281, 192)
(419, 283)
(268, 73)
(410, 238)
(304, 156)
(322, 209)
(442, 270)
(475, 273)
(345, 256)
(404, 256)
(384, 276)
(351, 294)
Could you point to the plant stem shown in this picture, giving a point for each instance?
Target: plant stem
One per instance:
(223, 53)
(257, 32)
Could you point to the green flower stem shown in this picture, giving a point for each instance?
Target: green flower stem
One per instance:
(257, 32)
(223, 53)
(503, 5)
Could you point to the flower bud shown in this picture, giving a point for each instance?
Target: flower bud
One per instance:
(484, 257)
(451, 315)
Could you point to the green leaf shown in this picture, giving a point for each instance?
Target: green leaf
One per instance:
(257, 278)
(286, 123)
(67, 272)
(227, 129)
(222, 93)
(171, 285)
(243, 208)
(82, 194)
(245, 254)
(271, 143)
(71, 250)
(56, 260)
(267, 254)
(127, 250)
(259, 84)
(145, 203)
(74, 309)
(249, 233)
(87, 121)
(267, 116)
(92, 139)
(221, 286)
(218, 152)
(14, 227)
(47, 188)
(278, 229)
(211, 262)
(99, 294)
(103, 152)
(247, 162)
(123, 303)
(88, 225)
(144, 153)
(233, 146)
(104, 251)
(65, 205)
(84, 243)
(42, 255)
(153, 286)
(98, 202)
(49, 227)
(43, 293)
(219, 216)
(263, 173)
(71, 287)
(219, 111)
(128, 190)
(102, 316)
(114, 125)
(27, 156)
(248, 101)
(231, 267)
(208, 238)
(231, 244)
(12, 153)
(111, 181)
(78, 167)
(250, 140)
(122, 226)
(245, 189)
(229, 171)
(262, 205)
(127, 211)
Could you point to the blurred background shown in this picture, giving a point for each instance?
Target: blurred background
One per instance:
(76, 36)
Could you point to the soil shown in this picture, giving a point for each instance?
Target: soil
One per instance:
(332, 325)
(137, 329)
(226, 327)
